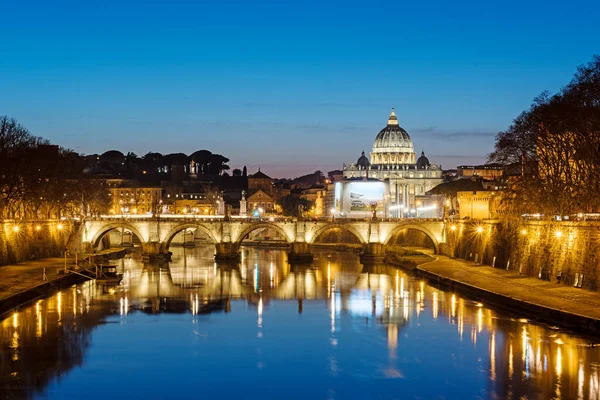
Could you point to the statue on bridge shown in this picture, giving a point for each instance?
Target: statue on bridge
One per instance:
(374, 211)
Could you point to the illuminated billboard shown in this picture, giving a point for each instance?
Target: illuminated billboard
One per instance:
(363, 194)
(356, 198)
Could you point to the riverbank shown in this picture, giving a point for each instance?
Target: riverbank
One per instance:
(548, 302)
(24, 282)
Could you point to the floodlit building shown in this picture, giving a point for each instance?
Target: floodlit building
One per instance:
(134, 200)
(477, 204)
(394, 160)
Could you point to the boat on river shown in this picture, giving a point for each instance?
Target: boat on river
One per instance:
(108, 275)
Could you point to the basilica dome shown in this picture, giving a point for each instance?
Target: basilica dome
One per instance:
(423, 162)
(393, 145)
(363, 161)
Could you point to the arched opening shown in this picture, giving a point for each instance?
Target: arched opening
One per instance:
(190, 246)
(189, 235)
(264, 234)
(412, 238)
(117, 237)
(338, 235)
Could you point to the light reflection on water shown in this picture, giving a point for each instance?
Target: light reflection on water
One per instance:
(334, 330)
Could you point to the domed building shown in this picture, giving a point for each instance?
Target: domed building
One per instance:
(363, 161)
(394, 161)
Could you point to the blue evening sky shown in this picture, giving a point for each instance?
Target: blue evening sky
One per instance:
(290, 86)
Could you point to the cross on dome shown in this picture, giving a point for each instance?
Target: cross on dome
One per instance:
(392, 120)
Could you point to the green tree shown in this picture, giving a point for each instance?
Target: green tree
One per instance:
(291, 205)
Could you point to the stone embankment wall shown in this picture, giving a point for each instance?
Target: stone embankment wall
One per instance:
(549, 250)
(24, 241)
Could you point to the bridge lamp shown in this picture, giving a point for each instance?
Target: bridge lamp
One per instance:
(453, 228)
(16, 228)
(333, 210)
(59, 227)
(37, 227)
(524, 232)
(479, 229)
(558, 234)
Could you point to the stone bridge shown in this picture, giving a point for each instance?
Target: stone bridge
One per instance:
(156, 234)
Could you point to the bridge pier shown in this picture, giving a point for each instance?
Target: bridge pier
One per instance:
(227, 252)
(154, 251)
(300, 253)
(372, 253)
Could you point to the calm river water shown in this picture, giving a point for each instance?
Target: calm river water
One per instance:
(335, 330)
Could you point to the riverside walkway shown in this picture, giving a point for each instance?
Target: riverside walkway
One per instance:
(17, 280)
(549, 301)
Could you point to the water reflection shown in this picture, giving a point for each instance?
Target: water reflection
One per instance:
(428, 335)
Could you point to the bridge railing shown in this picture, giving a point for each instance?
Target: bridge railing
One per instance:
(215, 218)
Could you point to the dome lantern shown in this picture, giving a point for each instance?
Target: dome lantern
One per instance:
(392, 120)
(393, 145)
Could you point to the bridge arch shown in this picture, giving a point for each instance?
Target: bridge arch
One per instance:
(100, 233)
(344, 227)
(427, 232)
(174, 231)
(261, 225)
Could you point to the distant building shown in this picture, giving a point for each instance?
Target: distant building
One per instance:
(394, 159)
(260, 200)
(260, 181)
(135, 200)
(477, 205)
(490, 172)
(317, 195)
(194, 201)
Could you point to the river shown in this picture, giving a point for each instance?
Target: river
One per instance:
(333, 330)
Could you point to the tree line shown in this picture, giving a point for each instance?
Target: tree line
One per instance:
(39, 180)
(154, 167)
(555, 147)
